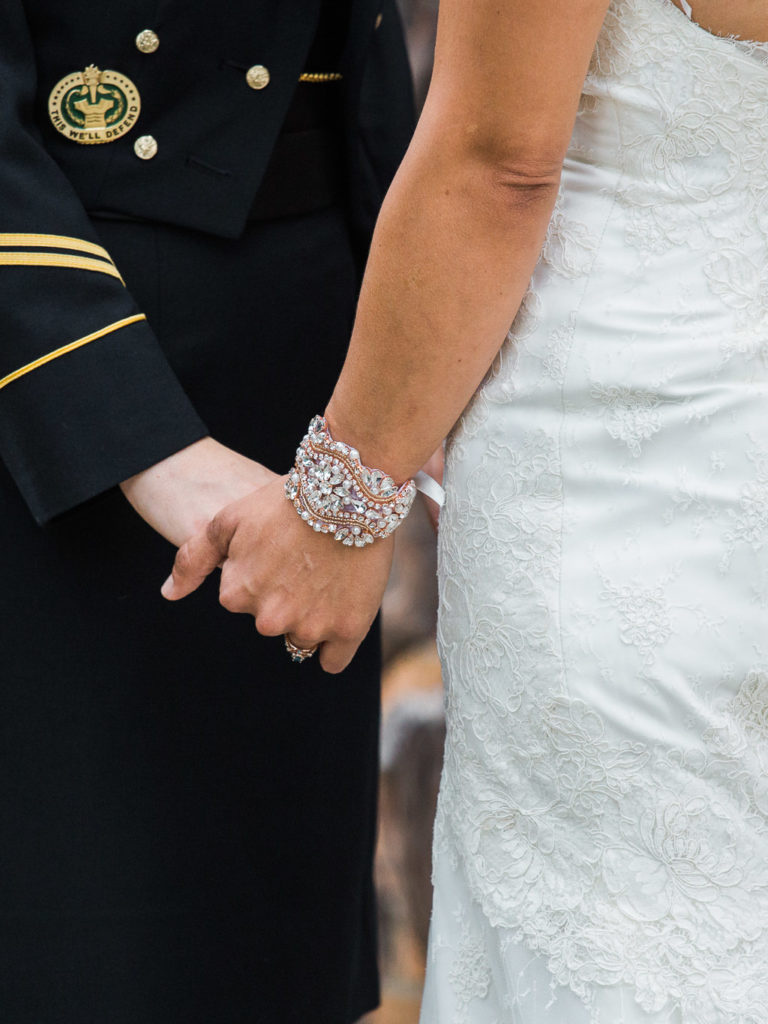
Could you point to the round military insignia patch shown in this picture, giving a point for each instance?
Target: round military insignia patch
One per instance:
(93, 106)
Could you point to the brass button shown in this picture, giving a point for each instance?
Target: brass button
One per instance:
(145, 147)
(379, 19)
(257, 76)
(147, 41)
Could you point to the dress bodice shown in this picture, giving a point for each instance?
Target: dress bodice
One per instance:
(682, 115)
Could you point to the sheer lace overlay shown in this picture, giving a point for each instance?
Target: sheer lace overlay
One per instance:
(601, 846)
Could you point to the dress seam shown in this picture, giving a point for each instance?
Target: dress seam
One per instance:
(575, 313)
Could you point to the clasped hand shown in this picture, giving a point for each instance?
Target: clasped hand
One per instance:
(291, 579)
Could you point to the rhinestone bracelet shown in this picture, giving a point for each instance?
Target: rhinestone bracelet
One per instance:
(334, 492)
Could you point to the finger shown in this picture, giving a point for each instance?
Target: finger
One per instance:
(233, 596)
(304, 641)
(335, 655)
(301, 650)
(271, 623)
(195, 560)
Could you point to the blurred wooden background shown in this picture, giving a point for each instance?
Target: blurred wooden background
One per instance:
(412, 736)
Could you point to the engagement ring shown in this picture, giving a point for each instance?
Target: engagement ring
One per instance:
(298, 654)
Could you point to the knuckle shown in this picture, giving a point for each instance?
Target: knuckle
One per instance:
(231, 598)
(217, 531)
(182, 565)
(270, 624)
(214, 527)
(213, 530)
(351, 630)
(229, 602)
(310, 632)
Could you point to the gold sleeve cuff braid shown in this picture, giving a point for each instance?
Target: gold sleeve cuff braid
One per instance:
(70, 348)
(103, 264)
(53, 242)
(55, 259)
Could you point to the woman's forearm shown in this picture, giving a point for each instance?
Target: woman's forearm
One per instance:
(463, 224)
(453, 252)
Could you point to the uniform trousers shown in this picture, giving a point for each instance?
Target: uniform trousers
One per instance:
(187, 818)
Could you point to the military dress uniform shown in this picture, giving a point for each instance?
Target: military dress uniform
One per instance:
(186, 817)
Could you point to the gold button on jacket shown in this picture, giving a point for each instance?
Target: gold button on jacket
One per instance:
(147, 41)
(257, 76)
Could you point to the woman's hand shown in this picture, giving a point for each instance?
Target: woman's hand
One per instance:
(179, 495)
(291, 579)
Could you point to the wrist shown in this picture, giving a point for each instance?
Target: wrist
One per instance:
(180, 494)
(376, 445)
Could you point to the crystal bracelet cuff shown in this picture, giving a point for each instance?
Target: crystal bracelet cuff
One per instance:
(335, 493)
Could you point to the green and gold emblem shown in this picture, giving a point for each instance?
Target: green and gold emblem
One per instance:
(93, 106)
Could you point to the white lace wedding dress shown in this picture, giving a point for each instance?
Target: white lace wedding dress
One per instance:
(601, 847)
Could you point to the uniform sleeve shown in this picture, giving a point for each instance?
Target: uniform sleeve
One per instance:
(87, 397)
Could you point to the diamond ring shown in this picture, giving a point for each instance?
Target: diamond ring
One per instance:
(298, 654)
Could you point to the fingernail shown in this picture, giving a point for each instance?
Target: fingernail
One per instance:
(167, 588)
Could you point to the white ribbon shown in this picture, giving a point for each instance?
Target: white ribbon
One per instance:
(429, 486)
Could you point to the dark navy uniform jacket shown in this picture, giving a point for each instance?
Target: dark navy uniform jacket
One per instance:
(87, 397)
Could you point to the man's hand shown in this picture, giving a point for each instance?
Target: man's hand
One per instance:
(179, 495)
(291, 579)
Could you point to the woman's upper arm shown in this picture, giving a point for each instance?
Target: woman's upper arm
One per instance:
(507, 78)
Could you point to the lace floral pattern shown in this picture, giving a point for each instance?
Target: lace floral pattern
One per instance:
(471, 974)
(632, 417)
(604, 572)
(643, 613)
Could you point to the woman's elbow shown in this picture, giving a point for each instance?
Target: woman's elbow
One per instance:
(510, 166)
(522, 179)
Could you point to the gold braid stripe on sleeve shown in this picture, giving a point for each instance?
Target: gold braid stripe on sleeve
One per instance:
(57, 259)
(53, 242)
(70, 348)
